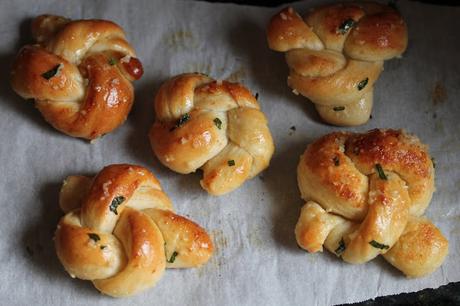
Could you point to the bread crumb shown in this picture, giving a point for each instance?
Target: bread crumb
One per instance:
(125, 59)
(105, 187)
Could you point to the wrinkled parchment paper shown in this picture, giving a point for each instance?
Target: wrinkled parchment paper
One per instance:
(256, 259)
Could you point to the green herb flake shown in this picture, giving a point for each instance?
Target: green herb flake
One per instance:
(103, 247)
(434, 162)
(363, 84)
(378, 245)
(293, 128)
(257, 96)
(346, 26)
(112, 61)
(231, 163)
(173, 257)
(338, 108)
(94, 237)
(182, 120)
(341, 248)
(336, 161)
(53, 72)
(115, 203)
(218, 123)
(380, 171)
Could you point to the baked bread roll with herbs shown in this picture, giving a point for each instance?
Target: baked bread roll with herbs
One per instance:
(79, 73)
(120, 231)
(335, 55)
(365, 196)
(215, 126)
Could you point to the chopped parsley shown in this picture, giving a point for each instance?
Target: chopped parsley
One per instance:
(181, 121)
(293, 128)
(341, 248)
(363, 84)
(338, 108)
(336, 161)
(346, 26)
(257, 96)
(434, 162)
(94, 237)
(112, 61)
(53, 72)
(378, 245)
(173, 257)
(380, 171)
(231, 163)
(115, 203)
(218, 123)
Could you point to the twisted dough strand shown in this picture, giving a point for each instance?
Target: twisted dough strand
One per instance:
(120, 231)
(79, 73)
(216, 126)
(365, 193)
(336, 53)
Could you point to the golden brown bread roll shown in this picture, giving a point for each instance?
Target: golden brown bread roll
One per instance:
(420, 250)
(365, 193)
(216, 126)
(120, 231)
(335, 54)
(79, 73)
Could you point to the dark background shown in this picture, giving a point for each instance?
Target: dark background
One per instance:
(273, 3)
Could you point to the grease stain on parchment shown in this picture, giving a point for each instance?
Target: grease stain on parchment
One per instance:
(255, 237)
(180, 40)
(220, 241)
(238, 75)
(206, 68)
(439, 94)
(439, 127)
(217, 260)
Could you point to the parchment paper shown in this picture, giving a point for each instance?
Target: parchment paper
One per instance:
(256, 259)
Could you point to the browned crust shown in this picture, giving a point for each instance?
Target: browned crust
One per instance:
(365, 33)
(194, 126)
(395, 150)
(121, 246)
(401, 182)
(87, 98)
